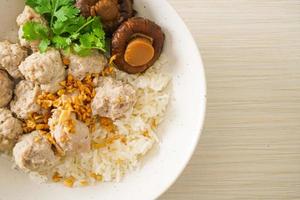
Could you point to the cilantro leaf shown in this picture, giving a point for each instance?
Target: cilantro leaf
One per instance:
(35, 31)
(44, 45)
(69, 26)
(63, 2)
(61, 42)
(81, 50)
(40, 6)
(32, 3)
(65, 13)
(67, 30)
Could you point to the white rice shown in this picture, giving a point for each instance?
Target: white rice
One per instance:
(114, 161)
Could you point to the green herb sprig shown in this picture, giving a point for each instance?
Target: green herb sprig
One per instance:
(66, 28)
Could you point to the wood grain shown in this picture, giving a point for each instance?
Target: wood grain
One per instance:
(250, 147)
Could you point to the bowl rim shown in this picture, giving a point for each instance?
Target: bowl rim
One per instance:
(204, 103)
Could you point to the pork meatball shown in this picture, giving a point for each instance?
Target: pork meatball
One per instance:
(79, 67)
(70, 134)
(6, 88)
(45, 69)
(11, 55)
(24, 102)
(113, 98)
(28, 15)
(10, 130)
(33, 153)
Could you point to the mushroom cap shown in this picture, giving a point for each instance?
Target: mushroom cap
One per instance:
(125, 33)
(111, 12)
(85, 6)
(126, 9)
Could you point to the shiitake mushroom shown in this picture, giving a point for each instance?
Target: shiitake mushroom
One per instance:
(111, 12)
(126, 9)
(136, 45)
(85, 6)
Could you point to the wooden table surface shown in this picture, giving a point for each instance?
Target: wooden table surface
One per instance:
(250, 146)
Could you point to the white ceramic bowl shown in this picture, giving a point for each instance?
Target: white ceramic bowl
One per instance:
(179, 134)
